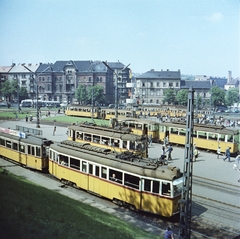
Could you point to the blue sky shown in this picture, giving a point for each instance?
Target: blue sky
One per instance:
(199, 37)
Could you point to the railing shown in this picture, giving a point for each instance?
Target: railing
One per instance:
(29, 130)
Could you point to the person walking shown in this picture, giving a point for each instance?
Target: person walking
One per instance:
(218, 151)
(227, 154)
(169, 150)
(54, 129)
(169, 233)
(150, 140)
(195, 154)
(162, 156)
(236, 164)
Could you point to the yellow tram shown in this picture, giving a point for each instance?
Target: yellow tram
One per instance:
(141, 127)
(83, 111)
(27, 150)
(134, 182)
(207, 137)
(114, 139)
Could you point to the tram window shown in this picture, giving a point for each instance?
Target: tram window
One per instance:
(115, 175)
(166, 189)
(55, 157)
(96, 139)
(132, 145)
(124, 144)
(8, 144)
(51, 154)
(104, 172)
(139, 126)
(22, 148)
(97, 171)
(38, 151)
(90, 169)
(63, 160)
(15, 146)
(131, 181)
(29, 149)
(33, 150)
(87, 137)
(2, 142)
(156, 185)
(147, 185)
(105, 140)
(84, 166)
(74, 163)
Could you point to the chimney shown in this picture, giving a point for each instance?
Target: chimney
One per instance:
(229, 77)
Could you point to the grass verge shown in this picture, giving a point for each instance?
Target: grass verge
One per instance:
(31, 211)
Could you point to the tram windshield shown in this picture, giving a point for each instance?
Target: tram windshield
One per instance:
(177, 186)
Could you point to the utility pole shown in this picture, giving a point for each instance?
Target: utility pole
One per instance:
(186, 200)
(116, 84)
(37, 75)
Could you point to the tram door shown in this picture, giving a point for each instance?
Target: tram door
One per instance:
(94, 182)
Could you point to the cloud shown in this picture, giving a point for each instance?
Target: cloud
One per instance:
(215, 17)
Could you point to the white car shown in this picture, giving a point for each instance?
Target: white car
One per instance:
(64, 104)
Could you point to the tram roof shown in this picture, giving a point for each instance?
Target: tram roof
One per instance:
(205, 128)
(30, 139)
(131, 164)
(111, 134)
(141, 121)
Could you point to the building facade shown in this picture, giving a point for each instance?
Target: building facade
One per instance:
(150, 86)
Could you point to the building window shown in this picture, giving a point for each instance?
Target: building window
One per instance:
(158, 92)
(143, 84)
(164, 84)
(48, 78)
(151, 92)
(158, 84)
(48, 87)
(171, 84)
(151, 84)
(89, 79)
(143, 92)
(23, 76)
(157, 101)
(177, 84)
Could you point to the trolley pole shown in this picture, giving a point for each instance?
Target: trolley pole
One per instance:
(186, 200)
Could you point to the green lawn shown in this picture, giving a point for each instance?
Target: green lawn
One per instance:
(31, 211)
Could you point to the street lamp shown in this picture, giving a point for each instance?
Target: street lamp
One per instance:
(16, 78)
(37, 75)
(116, 85)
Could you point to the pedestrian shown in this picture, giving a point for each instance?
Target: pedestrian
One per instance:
(54, 129)
(227, 154)
(169, 233)
(162, 156)
(236, 164)
(218, 151)
(31, 119)
(195, 154)
(150, 140)
(169, 150)
(26, 118)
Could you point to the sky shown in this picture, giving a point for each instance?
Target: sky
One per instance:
(198, 37)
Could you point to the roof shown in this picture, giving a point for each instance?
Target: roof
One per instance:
(24, 68)
(196, 84)
(5, 69)
(161, 75)
(58, 66)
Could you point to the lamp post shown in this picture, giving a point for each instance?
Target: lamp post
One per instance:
(37, 75)
(116, 85)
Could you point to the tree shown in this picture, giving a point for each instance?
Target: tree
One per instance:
(81, 94)
(98, 93)
(198, 100)
(232, 96)
(169, 96)
(182, 97)
(23, 94)
(6, 89)
(217, 96)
